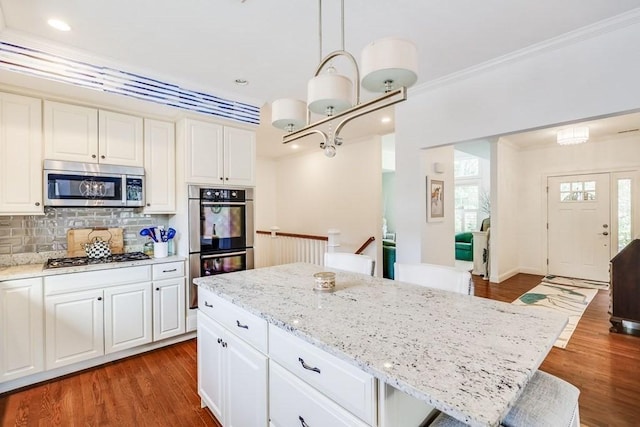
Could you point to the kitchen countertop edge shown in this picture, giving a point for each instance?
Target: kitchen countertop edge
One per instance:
(27, 271)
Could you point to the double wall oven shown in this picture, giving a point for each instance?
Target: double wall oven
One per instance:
(221, 233)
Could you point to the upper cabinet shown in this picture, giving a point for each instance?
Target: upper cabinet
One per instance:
(84, 134)
(159, 167)
(20, 155)
(218, 155)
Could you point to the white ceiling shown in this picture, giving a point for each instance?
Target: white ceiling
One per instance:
(207, 44)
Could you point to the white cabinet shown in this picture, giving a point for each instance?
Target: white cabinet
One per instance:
(232, 376)
(21, 328)
(169, 318)
(84, 134)
(92, 313)
(159, 167)
(293, 403)
(216, 154)
(120, 139)
(20, 155)
(127, 317)
(74, 327)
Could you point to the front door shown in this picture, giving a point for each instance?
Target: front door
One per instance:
(579, 236)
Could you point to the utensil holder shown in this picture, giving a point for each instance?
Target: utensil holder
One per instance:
(160, 249)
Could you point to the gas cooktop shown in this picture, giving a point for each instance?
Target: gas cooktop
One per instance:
(78, 261)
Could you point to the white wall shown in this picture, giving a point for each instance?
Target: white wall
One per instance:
(438, 243)
(534, 166)
(310, 194)
(505, 212)
(569, 82)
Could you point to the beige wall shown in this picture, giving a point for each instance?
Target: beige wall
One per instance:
(312, 193)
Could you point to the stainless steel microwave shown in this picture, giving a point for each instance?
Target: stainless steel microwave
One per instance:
(92, 184)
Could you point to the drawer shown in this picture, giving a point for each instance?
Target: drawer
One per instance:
(98, 279)
(168, 270)
(293, 403)
(241, 323)
(344, 383)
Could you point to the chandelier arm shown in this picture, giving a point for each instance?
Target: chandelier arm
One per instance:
(389, 98)
(335, 53)
(300, 135)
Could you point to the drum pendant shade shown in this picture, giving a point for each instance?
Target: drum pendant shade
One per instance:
(287, 113)
(329, 90)
(389, 60)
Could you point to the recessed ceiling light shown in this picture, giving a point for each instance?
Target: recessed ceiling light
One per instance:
(59, 25)
(241, 82)
(385, 119)
(295, 146)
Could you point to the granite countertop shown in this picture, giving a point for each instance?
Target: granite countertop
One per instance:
(26, 271)
(470, 357)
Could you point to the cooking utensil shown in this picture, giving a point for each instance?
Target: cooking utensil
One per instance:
(171, 233)
(149, 232)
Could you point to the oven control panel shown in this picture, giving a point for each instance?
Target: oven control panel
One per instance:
(222, 195)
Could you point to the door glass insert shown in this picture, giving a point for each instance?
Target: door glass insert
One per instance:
(624, 212)
(578, 191)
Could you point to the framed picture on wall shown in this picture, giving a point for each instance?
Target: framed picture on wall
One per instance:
(435, 200)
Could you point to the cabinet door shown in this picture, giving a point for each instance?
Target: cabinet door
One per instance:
(159, 166)
(239, 156)
(210, 365)
(20, 155)
(168, 308)
(120, 140)
(246, 385)
(70, 132)
(127, 316)
(204, 160)
(74, 327)
(21, 328)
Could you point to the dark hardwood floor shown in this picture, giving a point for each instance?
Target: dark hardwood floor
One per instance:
(159, 388)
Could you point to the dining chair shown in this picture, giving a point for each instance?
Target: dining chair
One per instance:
(435, 276)
(350, 262)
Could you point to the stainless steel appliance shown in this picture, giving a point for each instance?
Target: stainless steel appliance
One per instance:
(92, 184)
(221, 233)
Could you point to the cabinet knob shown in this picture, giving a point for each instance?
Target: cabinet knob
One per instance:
(37, 203)
(93, 156)
(148, 204)
(157, 289)
(219, 340)
(221, 178)
(227, 178)
(303, 423)
(99, 298)
(102, 157)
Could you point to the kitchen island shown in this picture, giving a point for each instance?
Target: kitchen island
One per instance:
(466, 356)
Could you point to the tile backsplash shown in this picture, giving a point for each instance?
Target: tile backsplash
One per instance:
(46, 233)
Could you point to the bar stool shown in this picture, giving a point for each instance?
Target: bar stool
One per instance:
(547, 401)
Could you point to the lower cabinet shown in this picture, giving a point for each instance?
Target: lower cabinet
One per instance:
(169, 305)
(21, 328)
(74, 327)
(293, 403)
(127, 317)
(232, 376)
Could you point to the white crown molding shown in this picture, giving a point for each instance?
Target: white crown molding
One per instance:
(617, 22)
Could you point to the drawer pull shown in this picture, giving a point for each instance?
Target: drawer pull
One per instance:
(170, 271)
(240, 325)
(302, 422)
(307, 367)
(206, 304)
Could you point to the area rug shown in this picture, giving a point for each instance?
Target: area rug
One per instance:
(580, 283)
(569, 300)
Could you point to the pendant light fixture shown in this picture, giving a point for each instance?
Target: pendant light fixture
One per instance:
(389, 66)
